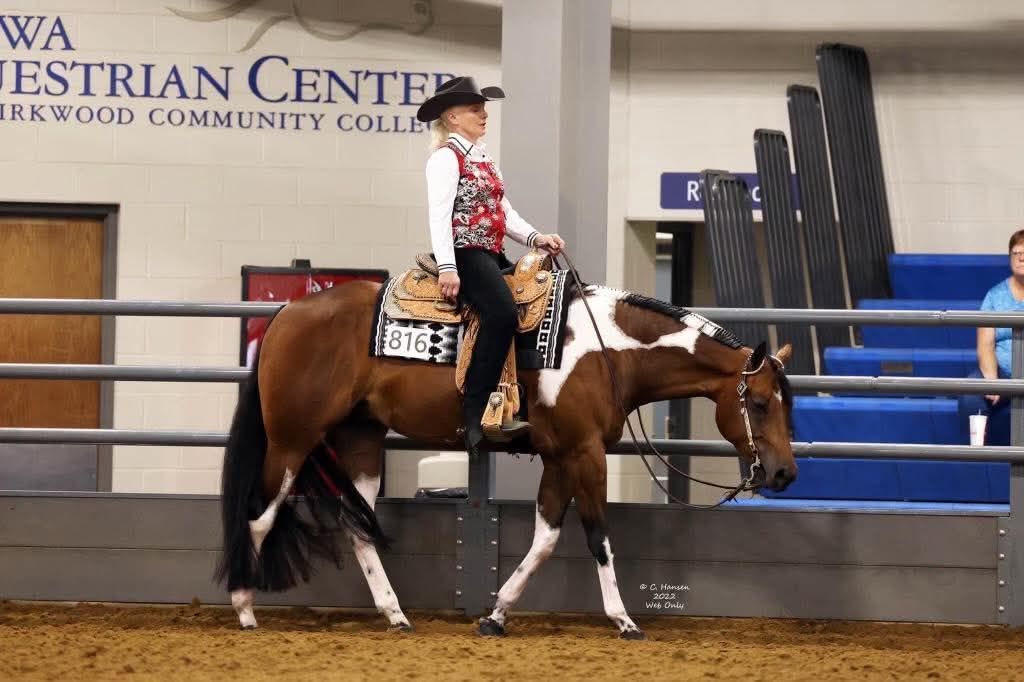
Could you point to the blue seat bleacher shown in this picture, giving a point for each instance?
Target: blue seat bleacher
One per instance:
(900, 362)
(825, 505)
(899, 480)
(954, 481)
(945, 276)
(919, 282)
(889, 420)
(876, 420)
(876, 336)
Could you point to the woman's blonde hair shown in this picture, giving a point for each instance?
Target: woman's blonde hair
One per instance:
(438, 133)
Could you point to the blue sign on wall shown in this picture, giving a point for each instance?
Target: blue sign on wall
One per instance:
(682, 190)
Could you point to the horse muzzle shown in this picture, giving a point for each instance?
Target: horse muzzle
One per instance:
(778, 478)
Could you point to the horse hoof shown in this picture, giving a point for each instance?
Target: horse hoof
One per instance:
(637, 635)
(251, 626)
(491, 628)
(404, 628)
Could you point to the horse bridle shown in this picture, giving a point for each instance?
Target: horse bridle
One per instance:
(741, 389)
(745, 485)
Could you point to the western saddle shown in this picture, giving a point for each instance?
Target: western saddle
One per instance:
(417, 296)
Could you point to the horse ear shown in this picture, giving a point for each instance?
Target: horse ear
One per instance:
(784, 354)
(758, 356)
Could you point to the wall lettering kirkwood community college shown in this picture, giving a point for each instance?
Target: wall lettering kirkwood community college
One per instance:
(197, 96)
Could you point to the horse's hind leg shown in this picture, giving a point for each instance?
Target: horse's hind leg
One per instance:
(360, 448)
(279, 473)
(590, 473)
(552, 500)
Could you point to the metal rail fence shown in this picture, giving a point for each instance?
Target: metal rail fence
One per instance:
(484, 548)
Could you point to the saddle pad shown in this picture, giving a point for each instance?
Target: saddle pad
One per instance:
(412, 339)
(439, 342)
(542, 347)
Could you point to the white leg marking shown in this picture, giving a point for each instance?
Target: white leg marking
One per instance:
(544, 539)
(242, 601)
(384, 597)
(613, 606)
(261, 526)
(602, 303)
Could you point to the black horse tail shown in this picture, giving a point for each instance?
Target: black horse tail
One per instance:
(287, 551)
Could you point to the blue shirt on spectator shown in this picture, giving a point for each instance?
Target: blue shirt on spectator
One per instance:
(999, 299)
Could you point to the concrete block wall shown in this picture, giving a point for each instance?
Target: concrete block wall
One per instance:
(196, 203)
(947, 118)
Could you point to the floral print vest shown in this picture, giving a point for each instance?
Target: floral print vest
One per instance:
(478, 220)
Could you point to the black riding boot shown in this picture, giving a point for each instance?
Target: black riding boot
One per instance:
(484, 288)
(474, 436)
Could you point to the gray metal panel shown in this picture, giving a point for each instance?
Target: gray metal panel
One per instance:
(178, 576)
(111, 372)
(1012, 530)
(1012, 552)
(1007, 592)
(704, 448)
(476, 540)
(845, 77)
(48, 467)
(730, 229)
(179, 524)
(817, 209)
(806, 564)
(164, 548)
(924, 318)
(783, 243)
(801, 378)
(108, 332)
(891, 593)
(906, 385)
(94, 306)
(757, 537)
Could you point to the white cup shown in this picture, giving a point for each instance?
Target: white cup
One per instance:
(978, 422)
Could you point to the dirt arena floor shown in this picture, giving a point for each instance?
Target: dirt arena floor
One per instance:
(88, 641)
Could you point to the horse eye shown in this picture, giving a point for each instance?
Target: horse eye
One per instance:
(760, 403)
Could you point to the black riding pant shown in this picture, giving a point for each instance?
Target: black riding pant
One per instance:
(483, 287)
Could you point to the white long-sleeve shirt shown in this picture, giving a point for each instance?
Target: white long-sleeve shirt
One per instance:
(443, 183)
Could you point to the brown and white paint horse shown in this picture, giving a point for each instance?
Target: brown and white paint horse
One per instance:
(315, 384)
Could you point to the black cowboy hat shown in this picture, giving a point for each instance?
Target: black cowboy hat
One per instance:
(461, 90)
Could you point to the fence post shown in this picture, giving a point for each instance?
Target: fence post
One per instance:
(477, 525)
(1010, 545)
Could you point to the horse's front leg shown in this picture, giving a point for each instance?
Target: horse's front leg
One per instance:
(552, 499)
(592, 504)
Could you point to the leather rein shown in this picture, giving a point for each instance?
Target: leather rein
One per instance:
(747, 484)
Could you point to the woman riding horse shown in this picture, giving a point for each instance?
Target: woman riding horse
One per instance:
(469, 218)
(313, 416)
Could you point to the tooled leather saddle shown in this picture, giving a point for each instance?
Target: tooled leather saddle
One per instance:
(417, 296)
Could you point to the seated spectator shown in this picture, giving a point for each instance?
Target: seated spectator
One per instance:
(994, 351)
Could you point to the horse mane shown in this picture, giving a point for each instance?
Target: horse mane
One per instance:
(701, 324)
(688, 318)
(710, 329)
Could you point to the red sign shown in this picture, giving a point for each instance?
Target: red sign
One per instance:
(287, 284)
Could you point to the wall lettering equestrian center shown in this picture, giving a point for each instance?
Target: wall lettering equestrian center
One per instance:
(178, 90)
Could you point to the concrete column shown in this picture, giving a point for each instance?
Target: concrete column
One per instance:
(555, 69)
